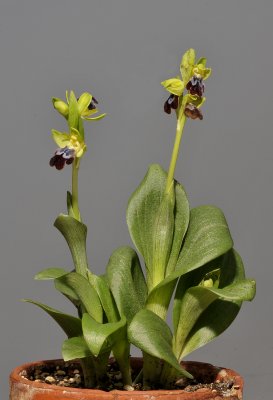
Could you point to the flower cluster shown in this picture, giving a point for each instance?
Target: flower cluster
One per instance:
(71, 144)
(192, 79)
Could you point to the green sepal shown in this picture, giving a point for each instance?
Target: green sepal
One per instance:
(71, 325)
(84, 101)
(152, 335)
(85, 292)
(50, 273)
(186, 65)
(62, 139)
(74, 348)
(73, 117)
(174, 86)
(101, 338)
(126, 281)
(203, 61)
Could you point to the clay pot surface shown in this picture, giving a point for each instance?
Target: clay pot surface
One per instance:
(24, 389)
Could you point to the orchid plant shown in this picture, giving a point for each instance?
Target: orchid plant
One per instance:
(188, 254)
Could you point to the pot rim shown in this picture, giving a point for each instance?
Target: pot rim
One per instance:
(15, 377)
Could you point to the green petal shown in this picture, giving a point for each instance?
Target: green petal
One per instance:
(202, 61)
(84, 101)
(95, 118)
(60, 138)
(174, 86)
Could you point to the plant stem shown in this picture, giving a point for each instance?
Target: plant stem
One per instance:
(88, 371)
(75, 201)
(179, 131)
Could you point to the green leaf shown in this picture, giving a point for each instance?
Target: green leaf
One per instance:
(142, 212)
(152, 335)
(181, 222)
(50, 273)
(161, 296)
(85, 292)
(100, 284)
(75, 233)
(163, 236)
(197, 300)
(73, 117)
(71, 325)
(207, 238)
(70, 210)
(75, 347)
(126, 281)
(101, 338)
(66, 289)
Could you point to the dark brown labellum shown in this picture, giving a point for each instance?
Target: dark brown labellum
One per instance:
(193, 112)
(196, 86)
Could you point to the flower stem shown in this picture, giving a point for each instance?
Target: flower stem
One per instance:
(179, 131)
(75, 202)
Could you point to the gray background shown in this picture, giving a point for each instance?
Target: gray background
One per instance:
(120, 51)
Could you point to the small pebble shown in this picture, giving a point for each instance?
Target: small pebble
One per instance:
(76, 371)
(60, 372)
(50, 379)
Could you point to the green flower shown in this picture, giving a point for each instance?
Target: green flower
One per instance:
(189, 70)
(71, 146)
(86, 105)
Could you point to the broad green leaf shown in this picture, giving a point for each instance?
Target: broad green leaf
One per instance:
(75, 233)
(63, 287)
(85, 292)
(207, 238)
(181, 222)
(71, 325)
(142, 211)
(73, 116)
(162, 237)
(75, 347)
(160, 297)
(152, 335)
(196, 300)
(126, 281)
(50, 273)
(101, 338)
(100, 284)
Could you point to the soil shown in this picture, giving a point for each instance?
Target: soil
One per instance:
(69, 374)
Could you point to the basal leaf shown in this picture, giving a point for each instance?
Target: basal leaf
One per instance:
(152, 335)
(207, 238)
(196, 300)
(100, 284)
(75, 347)
(101, 338)
(85, 292)
(126, 281)
(181, 222)
(75, 233)
(71, 325)
(142, 211)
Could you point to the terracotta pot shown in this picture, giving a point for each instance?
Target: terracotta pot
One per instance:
(23, 389)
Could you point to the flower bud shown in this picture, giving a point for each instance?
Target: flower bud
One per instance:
(60, 106)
